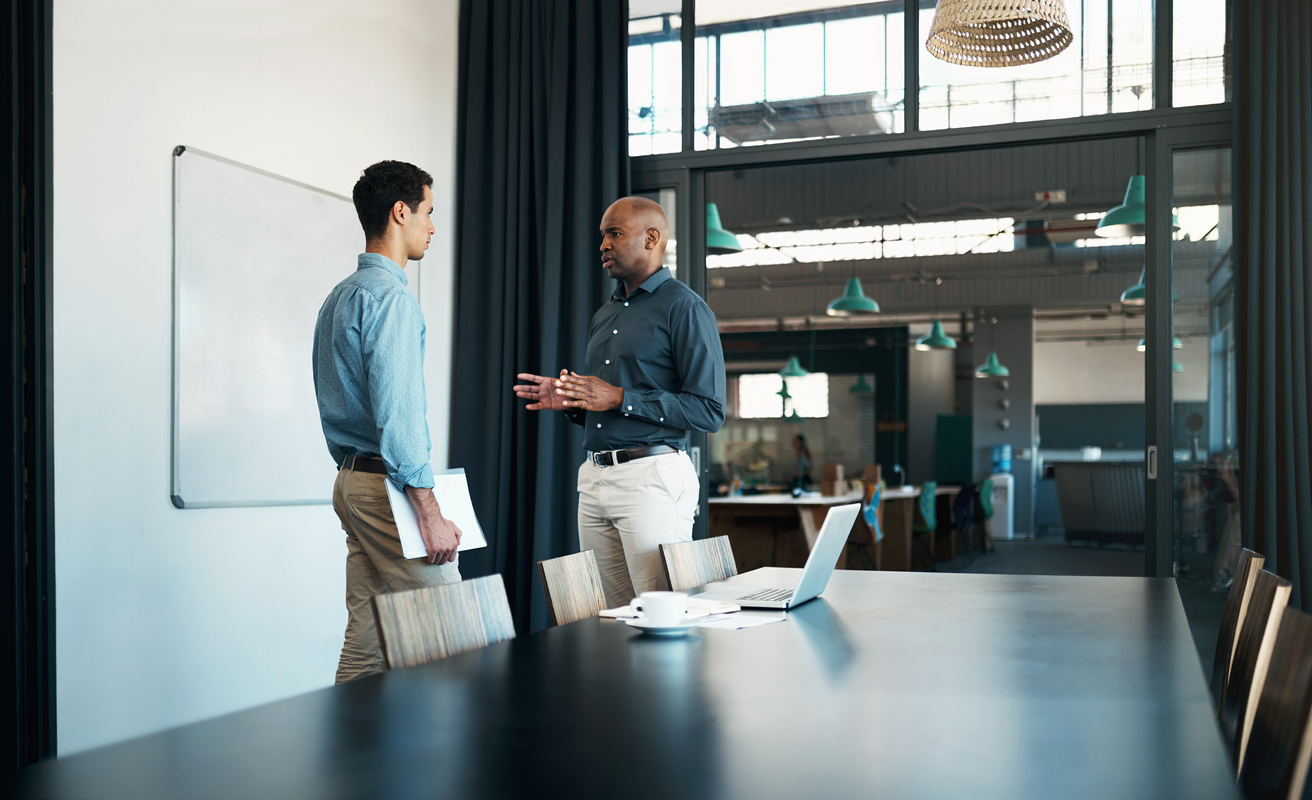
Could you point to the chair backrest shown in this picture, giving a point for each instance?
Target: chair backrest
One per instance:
(1280, 746)
(962, 505)
(697, 563)
(1252, 657)
(573, 587)
(423, 625)
(926, 520)
(985, 499)
(1236, 604)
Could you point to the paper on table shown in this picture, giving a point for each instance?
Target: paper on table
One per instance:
(452, 493)
(744, 619)
(696, 608)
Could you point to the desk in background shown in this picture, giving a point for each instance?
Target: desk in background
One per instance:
(773, 529)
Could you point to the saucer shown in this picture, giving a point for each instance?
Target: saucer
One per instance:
(677, 629)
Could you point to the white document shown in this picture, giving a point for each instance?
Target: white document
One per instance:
(452, 493)
(744, 619)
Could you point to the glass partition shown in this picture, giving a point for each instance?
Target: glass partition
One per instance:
(1207, 537)
(655, 77)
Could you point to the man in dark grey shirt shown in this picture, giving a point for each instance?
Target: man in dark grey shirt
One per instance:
(655, 372)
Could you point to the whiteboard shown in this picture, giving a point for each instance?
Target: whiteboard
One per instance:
(254, 257)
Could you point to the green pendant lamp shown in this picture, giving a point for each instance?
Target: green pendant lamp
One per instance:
(792, 417)
(1137, 295)
(992, 368)
(853, 302)
(936, 339)
(793, 369)
(1176, 344)
(1176, 366)
(718, 240)
(1127, 219)
(861, 387)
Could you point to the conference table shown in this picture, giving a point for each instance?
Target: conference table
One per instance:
(901, 685)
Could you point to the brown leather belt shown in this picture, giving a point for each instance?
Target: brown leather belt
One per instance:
(365, 464)
(609, 458)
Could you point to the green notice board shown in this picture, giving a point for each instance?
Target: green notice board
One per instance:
(952, 453)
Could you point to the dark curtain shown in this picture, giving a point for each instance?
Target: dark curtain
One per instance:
(543, 150)
(1273, 176)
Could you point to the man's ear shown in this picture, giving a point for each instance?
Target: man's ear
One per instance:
(653, 238)
(399, 211)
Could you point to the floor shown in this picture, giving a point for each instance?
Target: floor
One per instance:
(1052, 556)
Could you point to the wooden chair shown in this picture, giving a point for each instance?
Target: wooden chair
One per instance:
(573, 587)
(424, 625)
(692, 564)
(1252, 657)
(1236, 605)
(1279, 746)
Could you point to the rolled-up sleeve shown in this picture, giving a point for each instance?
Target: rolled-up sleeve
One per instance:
(699, 403)
(393, 339)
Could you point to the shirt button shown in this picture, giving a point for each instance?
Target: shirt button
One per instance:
(615, 331)
(626, 415)
(630, 408)
(598, 424)
(662, 419)
(608, 361)
(626, 305)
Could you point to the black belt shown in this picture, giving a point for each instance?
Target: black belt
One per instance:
(365, 464)
(609, 458)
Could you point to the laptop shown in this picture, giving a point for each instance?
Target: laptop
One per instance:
(815, 575)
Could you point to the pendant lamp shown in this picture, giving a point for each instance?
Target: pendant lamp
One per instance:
(1127, 219)
(861, 387)
(936, 339)
(718, 240)
(1176, 366)
(992, 368)
(853, 302)
(792, 417)
(998, 33)
(793, 369)
(1176, 344)
(1137, 295)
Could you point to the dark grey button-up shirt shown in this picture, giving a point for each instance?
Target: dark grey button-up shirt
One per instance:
(661, 345)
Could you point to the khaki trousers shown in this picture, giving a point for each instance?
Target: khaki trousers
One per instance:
(627, 511)
(374, 565)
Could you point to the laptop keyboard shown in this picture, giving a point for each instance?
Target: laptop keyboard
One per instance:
(768, 595)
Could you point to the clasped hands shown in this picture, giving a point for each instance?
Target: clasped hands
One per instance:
(568, 390)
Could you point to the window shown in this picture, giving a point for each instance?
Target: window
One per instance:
(833, 71)
(760, 396)
(1198, 53)
(655, 78)
(861, 243)
(1076, 83)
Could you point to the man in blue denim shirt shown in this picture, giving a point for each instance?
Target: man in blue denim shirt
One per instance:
(369, 380)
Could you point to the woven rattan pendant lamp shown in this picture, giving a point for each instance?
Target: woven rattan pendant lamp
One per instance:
(998, 33)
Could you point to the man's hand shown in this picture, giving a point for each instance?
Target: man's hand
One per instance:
(441, 536)
(588, 392)
(542, 391)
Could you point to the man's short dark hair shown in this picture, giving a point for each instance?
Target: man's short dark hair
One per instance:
(378, 189)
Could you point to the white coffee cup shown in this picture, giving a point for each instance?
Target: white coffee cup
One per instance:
(664, 608)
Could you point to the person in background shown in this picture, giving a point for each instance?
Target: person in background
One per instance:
(369, 381)
(802, 451)
(654, 372)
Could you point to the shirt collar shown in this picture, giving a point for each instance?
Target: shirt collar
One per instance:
(365, 260)
(649, 286)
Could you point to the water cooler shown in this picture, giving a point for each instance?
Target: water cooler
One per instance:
(1003, 523)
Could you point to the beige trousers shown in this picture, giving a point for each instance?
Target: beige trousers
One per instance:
(627, 511)
(374, 565)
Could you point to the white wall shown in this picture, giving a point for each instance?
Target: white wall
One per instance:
(167, 616)
(1076, 373)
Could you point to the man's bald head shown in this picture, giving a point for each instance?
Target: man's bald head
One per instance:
(634, 233)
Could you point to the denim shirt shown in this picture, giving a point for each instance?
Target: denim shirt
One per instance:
(369, 371)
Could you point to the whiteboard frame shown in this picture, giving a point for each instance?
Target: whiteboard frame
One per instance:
(175, 475)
